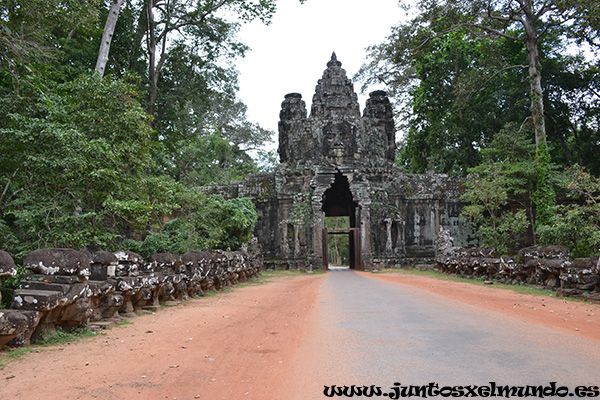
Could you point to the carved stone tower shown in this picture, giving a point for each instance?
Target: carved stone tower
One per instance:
(336, 162)
(335, 133)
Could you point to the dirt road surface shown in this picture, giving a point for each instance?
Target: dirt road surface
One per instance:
(291, 337)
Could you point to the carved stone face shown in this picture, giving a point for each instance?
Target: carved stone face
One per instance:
(339, 140)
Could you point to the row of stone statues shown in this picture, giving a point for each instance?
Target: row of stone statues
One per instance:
(70, 288)
(547, 266)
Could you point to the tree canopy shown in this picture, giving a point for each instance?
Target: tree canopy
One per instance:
(113, 112)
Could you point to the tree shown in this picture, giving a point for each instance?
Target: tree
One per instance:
(577, 221)
(81, 163)
(204, 222)
(572, 95)
(338, 245)
(31, 32)
(183, 49)
(459, 102)
(69, 153)
(525, 22)
(196, 23)
(109, 29)
(505, 176)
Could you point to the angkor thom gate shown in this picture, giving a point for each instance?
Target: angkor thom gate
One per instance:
(336, 162)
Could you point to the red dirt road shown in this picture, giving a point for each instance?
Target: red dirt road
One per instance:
(244, 344)
(237, 345)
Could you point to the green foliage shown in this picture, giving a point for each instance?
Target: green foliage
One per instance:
(571, 95)
(572, 227)
(226, 223)
(576, 224)
(458, 72)
(506, 170)
(208, 158)
(69, 151)
(458, 104)
(206, 222)
(338, 245)
(85, 162)
(33, 32)
(544, 196)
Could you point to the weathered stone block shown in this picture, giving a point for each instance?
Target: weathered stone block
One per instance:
(36, 300)
(58, 262)
(30, 322)
(12, 323)
(7, 265)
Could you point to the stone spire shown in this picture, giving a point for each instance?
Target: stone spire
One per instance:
(334, 95)
(334, 61)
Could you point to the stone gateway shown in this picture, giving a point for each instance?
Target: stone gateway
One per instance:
(336, 162)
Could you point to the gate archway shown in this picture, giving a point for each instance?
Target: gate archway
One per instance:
(338, 202)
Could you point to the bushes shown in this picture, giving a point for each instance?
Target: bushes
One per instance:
(507, 171)
(576, 223)
(209, 222)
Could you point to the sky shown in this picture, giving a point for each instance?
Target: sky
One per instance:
(290, 55)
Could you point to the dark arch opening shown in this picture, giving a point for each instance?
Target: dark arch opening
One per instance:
(338, 202)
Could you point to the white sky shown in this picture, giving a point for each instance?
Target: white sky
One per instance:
(291, 54)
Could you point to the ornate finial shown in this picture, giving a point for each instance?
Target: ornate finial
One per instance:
(334, 61)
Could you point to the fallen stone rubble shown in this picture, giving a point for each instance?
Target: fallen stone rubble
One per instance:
(545, 266)
(70, 288)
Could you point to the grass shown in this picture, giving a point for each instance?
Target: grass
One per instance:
(521, 289)
(61, 337)
(57, 338)
(13, 354)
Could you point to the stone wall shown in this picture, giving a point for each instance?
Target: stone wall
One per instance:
(544, 266)
(69, 288)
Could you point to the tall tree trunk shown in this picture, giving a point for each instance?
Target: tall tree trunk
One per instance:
(537, 97)
(544, 196)
(152, 70)
(109, 30)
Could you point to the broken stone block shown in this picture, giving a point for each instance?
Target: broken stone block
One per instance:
(59, 262)
(141, 298)
(548, 252)
(103, 265)
(129, 263)
(127, 287)
(104, 302)
(7, 267)
(36, 300)
(166, 263)
(75, 314)
(12, 323)
(25, 323)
